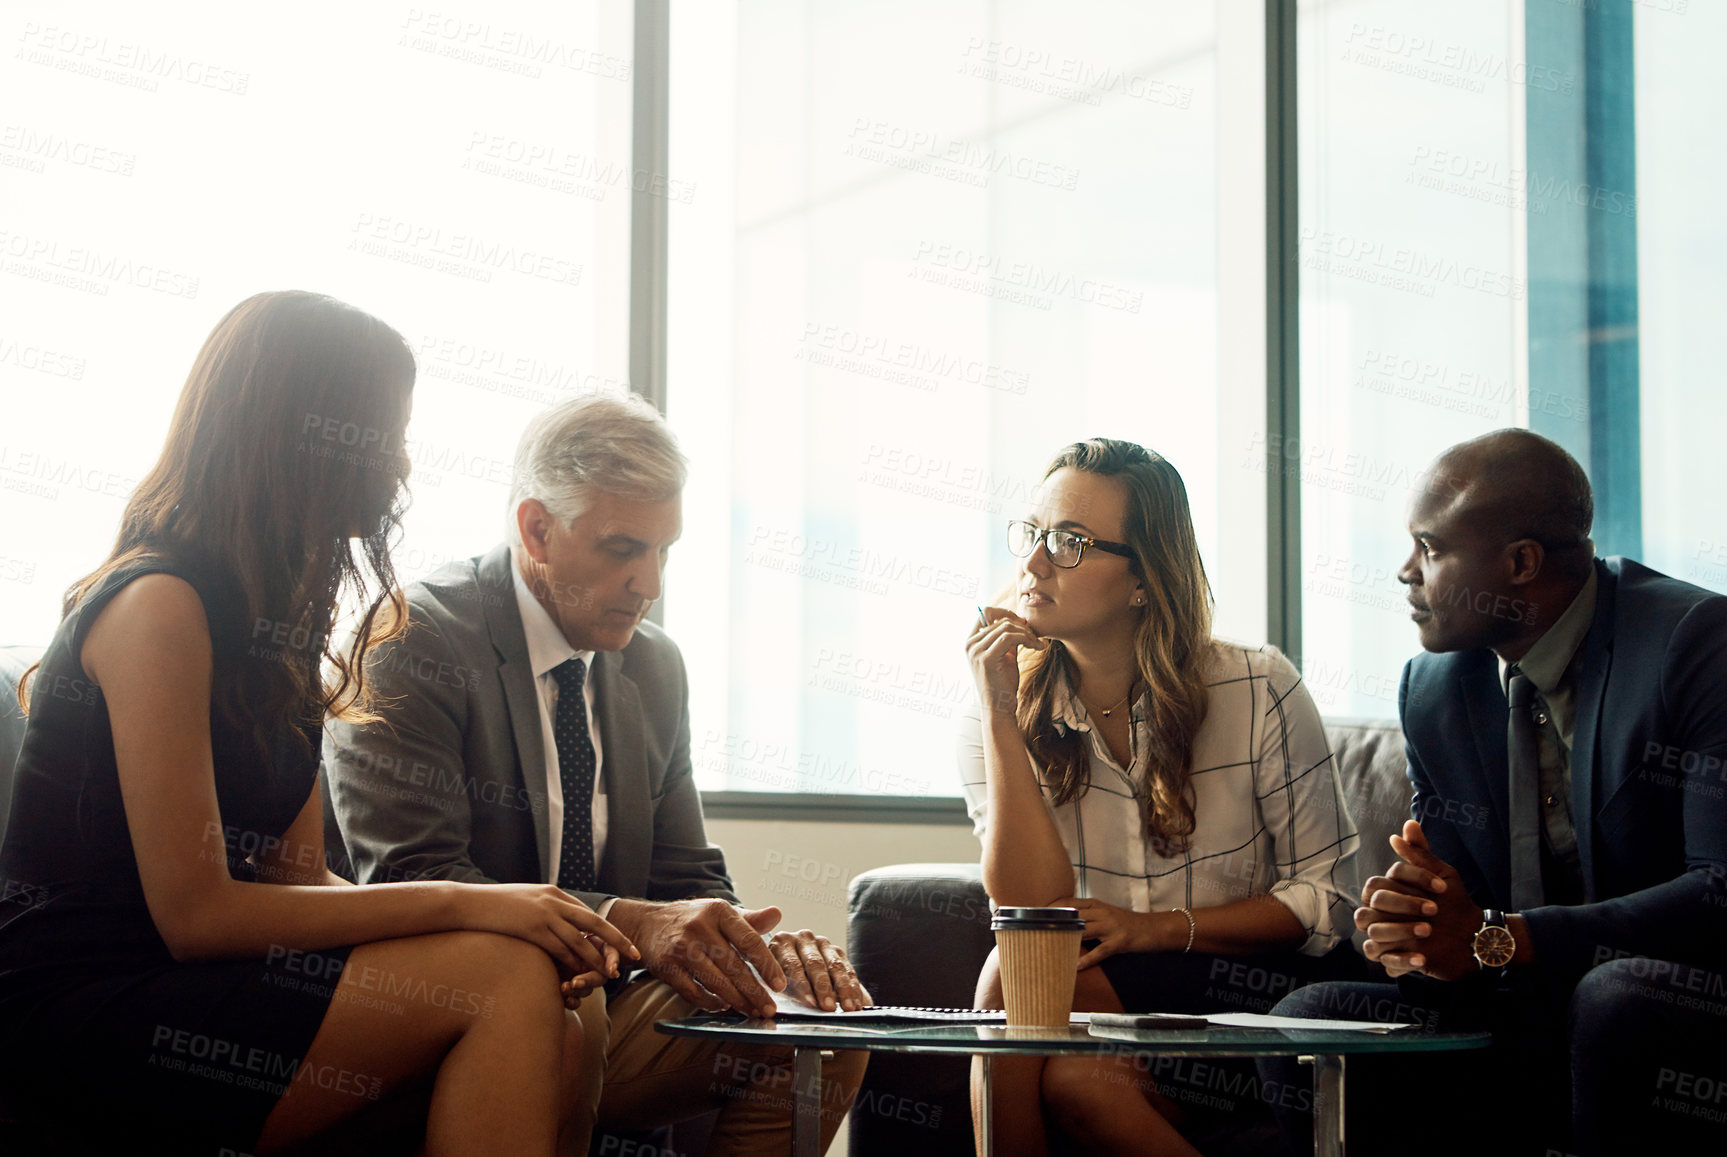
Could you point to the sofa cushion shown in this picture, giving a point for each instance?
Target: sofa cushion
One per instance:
(933, 914)
(1370, 771)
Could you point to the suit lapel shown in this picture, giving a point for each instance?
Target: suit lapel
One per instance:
(618, 714)
(516, 673)
(1485, 701)
(1586, 731)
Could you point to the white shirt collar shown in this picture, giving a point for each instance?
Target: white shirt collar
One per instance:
(547, 647)
(1068, 713)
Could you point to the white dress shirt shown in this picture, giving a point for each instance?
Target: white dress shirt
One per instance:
(548, 650)
(1269, 816)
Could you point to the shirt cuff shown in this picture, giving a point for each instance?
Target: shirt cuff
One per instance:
(1306, 904)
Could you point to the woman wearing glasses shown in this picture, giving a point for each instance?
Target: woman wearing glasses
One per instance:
(1176, 789)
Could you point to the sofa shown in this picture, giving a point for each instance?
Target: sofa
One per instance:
(919, 933)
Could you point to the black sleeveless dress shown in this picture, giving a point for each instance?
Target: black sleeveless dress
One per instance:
(100, 1029)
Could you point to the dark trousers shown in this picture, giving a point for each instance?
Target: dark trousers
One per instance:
(1200, 982)
(1630, 1059)
(1225, 1098)
(1649, 1058)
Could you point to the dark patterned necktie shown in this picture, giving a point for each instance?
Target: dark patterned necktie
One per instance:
(576, 774)
(1523, 746)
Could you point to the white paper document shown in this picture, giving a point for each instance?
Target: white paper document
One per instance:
(1266, 1020)
(791, 1006)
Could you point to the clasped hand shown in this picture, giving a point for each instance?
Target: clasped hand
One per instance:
(1418, 916)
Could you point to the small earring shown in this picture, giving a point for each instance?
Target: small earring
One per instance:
(1139, 600)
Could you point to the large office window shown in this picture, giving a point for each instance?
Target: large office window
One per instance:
(1681, 251)
(464, 173)
(932, 244)
(913, 250)
(1413, 299)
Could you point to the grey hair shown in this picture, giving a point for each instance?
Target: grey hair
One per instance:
(614, 444)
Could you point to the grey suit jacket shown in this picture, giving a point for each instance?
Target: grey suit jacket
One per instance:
(451, 785)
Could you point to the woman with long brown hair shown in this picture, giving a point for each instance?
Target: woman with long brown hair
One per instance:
(1176, 789)
(189, 971)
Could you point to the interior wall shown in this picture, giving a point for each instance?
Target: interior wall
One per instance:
(804, 868)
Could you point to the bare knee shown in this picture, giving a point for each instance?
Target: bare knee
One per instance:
(471, 976)
(1077, 1091)
(988, 994)
(492, 953)
(513, 971)
(1092, 992)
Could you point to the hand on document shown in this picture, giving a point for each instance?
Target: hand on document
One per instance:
(818, 975)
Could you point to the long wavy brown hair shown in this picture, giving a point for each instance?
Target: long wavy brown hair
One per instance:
(282, 476)
(1171, 643)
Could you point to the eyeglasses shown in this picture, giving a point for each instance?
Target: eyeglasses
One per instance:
(1065, 548)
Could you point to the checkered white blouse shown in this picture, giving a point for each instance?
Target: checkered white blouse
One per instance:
(1269, 814)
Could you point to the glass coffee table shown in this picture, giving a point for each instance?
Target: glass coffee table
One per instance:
(1324, 1048)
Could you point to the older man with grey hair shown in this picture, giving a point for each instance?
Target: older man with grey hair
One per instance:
(536, 729)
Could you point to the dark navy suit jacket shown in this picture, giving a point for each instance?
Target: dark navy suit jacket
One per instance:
(1648, 775)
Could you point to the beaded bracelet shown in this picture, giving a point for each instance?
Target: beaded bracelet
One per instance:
(1191, 927)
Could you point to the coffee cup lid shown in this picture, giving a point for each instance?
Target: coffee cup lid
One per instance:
(1062, 919)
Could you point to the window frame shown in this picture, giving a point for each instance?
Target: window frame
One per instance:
(648, 295)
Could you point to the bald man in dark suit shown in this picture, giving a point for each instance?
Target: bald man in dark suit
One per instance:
(1580, 706)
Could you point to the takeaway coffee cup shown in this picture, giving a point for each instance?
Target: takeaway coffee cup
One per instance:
(1039, 954)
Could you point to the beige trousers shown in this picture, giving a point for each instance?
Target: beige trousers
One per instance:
(636, 1078)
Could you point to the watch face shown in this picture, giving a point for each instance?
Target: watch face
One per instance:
(1494, 947)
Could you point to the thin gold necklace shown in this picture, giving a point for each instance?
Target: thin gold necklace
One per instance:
(1104, 711)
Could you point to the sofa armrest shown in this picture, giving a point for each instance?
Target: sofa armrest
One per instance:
(918, 934)
(1370, 772)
